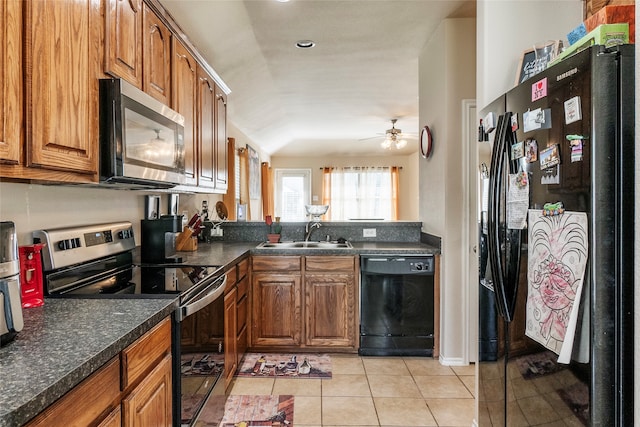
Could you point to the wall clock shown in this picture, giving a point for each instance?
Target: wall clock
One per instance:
(426, 142)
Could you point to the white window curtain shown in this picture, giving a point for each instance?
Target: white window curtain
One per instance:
(361, 193)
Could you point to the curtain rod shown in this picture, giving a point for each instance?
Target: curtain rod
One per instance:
(360, 167)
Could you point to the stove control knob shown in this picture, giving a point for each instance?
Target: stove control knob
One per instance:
(63, 245)
(125, 234)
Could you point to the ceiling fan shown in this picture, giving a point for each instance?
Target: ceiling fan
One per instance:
(393, 138)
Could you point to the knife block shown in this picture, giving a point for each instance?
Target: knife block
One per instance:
(186, 241)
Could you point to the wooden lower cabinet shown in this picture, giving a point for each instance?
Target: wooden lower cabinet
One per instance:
(114, 419)
(230, 335)
(133, 389)
(329, 317)
(276, 309)
(149, 404)
(87, 402)
(304, 302)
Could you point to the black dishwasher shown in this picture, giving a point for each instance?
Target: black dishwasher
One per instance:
(396, 305)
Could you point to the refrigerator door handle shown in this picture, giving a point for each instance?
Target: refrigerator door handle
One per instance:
(495, 190)
(504, 243)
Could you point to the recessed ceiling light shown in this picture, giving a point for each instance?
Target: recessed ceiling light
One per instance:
(305, 44)
(283, 1)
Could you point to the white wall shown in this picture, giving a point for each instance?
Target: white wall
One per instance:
(34, 207)
(506, 28)
(241, 141)
(409, 194)
(446, 68)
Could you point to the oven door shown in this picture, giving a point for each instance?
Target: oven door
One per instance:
(199, 341)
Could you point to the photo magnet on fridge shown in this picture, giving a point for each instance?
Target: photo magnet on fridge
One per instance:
(550, 156)
(539, 90)
(531, 150)
(514, 122)
(517, 150)
(572, 110)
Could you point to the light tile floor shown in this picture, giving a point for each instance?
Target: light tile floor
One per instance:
(375, 391)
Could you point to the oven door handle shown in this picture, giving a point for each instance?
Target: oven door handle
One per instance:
(206, 297)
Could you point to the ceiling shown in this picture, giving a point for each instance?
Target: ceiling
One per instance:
(323, 101)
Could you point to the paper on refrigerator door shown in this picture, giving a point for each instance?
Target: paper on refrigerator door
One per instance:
(558, 250)
(517, 201)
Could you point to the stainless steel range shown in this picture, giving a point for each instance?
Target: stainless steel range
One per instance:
(97, 261)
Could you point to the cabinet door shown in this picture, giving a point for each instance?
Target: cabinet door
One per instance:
(221, 152)
(10, 81)
(123, 40)
(276, 318)
(156, 55)
(230, 333)
(63, 55)
(75, 409)
(114, 419)
(206, 129)
(184, 102)
(149, 404)
(330, 310)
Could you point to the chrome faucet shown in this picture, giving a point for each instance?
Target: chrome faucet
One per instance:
(309, 229)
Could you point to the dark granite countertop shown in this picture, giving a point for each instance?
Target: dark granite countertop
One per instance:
(218, 253)
(63, 342)
(229, 253)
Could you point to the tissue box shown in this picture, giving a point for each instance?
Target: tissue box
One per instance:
(614, 15)
(605, 34)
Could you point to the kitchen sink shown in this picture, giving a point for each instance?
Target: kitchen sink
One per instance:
(305, 245)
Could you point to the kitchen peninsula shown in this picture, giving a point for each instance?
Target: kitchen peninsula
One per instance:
(64, 342)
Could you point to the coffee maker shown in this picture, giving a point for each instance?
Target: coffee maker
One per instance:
(159, 239)
(11, 321)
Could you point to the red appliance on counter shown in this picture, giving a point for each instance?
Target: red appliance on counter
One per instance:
(31, 275)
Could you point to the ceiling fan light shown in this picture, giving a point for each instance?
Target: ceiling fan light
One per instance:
(386, 144)
(401, 143)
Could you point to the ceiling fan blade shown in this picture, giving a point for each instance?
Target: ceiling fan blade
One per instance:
(372, 137)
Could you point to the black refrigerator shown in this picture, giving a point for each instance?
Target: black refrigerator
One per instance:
(559, 237)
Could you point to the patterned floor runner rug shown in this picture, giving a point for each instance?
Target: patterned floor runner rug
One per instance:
(247, 411)
(285, 365)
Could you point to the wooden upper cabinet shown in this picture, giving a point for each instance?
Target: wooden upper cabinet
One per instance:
(206, 129)
(156, 45)
(123, 40)
(184, 102)
(10, 81)
(221, 150)
(62, 56)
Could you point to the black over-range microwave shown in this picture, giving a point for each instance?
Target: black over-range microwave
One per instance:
(141, 139)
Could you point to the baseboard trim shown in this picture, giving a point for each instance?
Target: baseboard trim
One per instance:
(452, 361)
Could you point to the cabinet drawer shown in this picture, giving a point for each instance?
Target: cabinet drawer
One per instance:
(243, 287)
(276, 263)
(330, 263)
(85, 403)
(242, 268)
(142, 355)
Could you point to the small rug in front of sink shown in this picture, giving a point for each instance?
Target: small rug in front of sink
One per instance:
(258, 365)
(247, 411)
